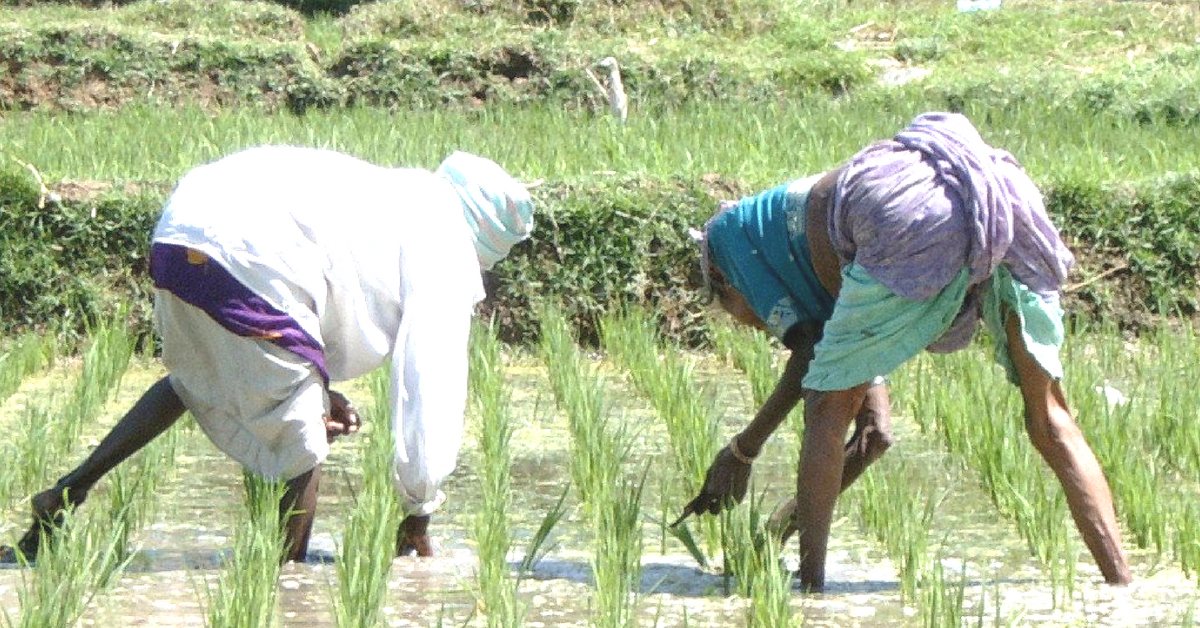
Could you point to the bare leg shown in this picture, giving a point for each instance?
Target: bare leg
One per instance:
(1060, 442)
(871, 439)
(296, 510)
(157, 409)
(827, 416)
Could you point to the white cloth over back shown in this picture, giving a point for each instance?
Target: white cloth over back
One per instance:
(372, 262)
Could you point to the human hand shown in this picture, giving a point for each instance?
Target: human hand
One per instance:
(725, 484)
(342, 418)
(412, 538)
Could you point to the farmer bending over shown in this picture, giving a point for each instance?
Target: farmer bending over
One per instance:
(279, 270)
(903, 248)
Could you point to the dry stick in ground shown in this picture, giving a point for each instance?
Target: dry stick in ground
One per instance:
(1087, 282)
(43, 193)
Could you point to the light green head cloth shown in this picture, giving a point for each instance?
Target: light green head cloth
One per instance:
(496, 206)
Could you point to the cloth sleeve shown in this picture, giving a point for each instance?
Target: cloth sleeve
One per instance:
(440, 284)
(429, 392)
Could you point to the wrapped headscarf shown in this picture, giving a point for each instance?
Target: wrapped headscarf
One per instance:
(915, 210)
(496, 206)
(760, 247)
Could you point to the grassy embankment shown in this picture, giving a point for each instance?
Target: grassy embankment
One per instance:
(725, 100)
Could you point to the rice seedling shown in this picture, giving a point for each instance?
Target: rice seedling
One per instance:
(690, 413)
(246, 592)
(369, 541)
(750, 352)
(134, 491)
(104, 362)
(617, 562)
(68, 574)
(24, 356)
(580, 394)
(599, 448)
(538, 547)
(1188, 618)
(753, 556)
(687, 141)
(51, 422)
(898, 511)
(942, 602)
(1138, 420)
(973, 410)
(491, 397)
(33, 444)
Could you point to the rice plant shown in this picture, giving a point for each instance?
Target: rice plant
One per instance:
(247, 590)
(599, 447)
(580, 393)
(51, 423)
(753, 557)
(491, 397)
(942, 601)
(105, 361)
(899, 513)
(974, 410)
(68, 574)
(134, 490)
(369, 542)
(686, 141)
(667, 381)
(23, 356)
(538, 546)
(617, 561)
(749, 351)
(1140, 423)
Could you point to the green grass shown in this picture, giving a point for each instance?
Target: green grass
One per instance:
(758, 144)
(702, 49)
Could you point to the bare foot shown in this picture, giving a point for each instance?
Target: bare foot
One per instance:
(47, 509)
(413, 537)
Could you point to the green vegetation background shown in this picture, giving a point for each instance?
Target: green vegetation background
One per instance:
(102, 108)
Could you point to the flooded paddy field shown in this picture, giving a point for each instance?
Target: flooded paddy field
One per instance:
(978, 560)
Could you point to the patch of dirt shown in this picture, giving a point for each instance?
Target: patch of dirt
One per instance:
(721, 186)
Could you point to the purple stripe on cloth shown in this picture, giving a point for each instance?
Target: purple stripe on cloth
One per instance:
(205, 284)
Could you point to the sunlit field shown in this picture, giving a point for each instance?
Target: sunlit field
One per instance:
(574, 462)
(759, 143)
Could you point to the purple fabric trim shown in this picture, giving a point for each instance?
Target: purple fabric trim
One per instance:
(206, 284)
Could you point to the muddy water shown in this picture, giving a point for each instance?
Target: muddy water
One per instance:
(180, 555)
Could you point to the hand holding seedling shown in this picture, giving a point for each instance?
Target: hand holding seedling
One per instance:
(725, 484)
(342, 418)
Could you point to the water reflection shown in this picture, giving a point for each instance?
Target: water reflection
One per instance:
(180, 556)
